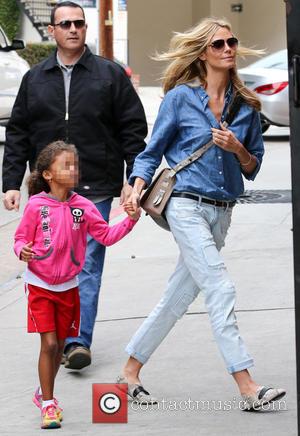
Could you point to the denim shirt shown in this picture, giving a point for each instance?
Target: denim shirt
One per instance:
(184, 124)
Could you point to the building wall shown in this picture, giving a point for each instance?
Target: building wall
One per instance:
(27, 31)
(263, 24)
(150, 27)
(151, 23)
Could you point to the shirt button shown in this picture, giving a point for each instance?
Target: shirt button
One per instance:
(220, 172)
(222, 187)
(220, 157)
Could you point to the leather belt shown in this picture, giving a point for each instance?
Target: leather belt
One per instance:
(218, 203)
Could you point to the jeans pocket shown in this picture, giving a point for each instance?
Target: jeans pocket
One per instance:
(184, 207)
(212, 256)
(182, 304)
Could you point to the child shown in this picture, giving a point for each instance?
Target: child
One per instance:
(52, 238)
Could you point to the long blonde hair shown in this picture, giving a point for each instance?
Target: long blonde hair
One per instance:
(185, 65)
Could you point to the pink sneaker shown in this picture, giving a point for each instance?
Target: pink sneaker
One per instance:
(38, 401)
(50, 417)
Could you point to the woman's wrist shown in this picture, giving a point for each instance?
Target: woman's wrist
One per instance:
(248, 162)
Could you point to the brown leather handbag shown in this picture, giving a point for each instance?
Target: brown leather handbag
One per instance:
(156, 197)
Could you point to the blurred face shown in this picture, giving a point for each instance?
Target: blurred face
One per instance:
(69, 35)
(221, 52)
(63, 171)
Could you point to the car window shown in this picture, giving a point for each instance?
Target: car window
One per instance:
(276, 60)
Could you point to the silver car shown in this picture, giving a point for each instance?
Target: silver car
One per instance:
(12, 69)
(269, 78)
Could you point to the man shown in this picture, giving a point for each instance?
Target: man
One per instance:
(89, 101)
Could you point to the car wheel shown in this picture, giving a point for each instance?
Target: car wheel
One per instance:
(264, 127)
(264, 124)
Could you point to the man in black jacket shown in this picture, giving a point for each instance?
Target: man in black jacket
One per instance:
(89, 101)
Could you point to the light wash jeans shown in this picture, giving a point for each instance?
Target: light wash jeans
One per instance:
(199, 230)
(90, 282)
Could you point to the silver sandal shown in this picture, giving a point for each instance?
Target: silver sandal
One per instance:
(262, 397)
(137, 392)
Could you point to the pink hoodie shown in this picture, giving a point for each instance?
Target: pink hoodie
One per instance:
(59, 231)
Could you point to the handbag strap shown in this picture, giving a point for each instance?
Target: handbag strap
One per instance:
(231, 113)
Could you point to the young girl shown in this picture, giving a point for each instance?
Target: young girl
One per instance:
(52, 238)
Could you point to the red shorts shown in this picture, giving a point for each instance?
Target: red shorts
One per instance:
(50, 311)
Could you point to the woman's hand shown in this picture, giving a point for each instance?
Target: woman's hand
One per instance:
(226, 139)
(27, 253)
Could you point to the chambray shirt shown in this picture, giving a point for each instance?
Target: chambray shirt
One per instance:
(184, 124)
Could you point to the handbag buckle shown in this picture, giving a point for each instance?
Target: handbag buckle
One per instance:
(160, 195)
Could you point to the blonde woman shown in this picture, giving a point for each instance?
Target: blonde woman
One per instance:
(199, 84)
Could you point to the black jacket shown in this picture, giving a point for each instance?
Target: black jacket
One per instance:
(106, 122)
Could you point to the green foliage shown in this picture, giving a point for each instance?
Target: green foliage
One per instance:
(9, 17)
(36, 52)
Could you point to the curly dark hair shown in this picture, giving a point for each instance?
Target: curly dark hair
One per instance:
(36, 182)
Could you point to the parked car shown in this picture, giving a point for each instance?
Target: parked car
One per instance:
(269, 78)
(12, 69)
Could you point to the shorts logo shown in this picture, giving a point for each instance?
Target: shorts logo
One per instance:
(110, 403)
(73, 326)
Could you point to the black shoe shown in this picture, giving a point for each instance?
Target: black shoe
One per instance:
(77, 357)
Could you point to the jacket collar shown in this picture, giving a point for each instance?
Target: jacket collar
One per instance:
(86, 60)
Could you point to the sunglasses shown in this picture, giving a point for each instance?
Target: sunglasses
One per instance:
(219, 44)
(66, 24)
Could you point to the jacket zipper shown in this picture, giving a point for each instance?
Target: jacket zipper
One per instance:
(60, 246)
(67, 125)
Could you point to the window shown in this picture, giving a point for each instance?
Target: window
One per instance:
(87, 3)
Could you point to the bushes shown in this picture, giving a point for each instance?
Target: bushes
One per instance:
(9, 17)
(36, 52)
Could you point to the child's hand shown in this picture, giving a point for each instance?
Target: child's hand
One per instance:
(132, 212)
(27, 253)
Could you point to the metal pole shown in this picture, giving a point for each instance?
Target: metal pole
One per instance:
(106, 28)
(293, 40)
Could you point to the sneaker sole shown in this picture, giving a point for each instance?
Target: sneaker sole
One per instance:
(78, 361)
(51, 425)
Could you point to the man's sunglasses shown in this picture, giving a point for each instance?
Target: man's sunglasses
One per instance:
(219, 44)
(66, 24)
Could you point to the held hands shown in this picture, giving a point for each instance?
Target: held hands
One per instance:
(27, 253)
(226, 139)
(132, 212)
(132, 205)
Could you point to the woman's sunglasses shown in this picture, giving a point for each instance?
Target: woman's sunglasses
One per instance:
(219, 44)
(66, 24)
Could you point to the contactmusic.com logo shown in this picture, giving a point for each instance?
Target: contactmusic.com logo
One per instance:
(110, 403)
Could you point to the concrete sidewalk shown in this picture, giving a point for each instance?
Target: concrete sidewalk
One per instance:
(187, 366)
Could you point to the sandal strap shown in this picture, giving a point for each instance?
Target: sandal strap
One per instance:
(262, 392)
(138, 390)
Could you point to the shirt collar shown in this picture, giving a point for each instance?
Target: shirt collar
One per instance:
(86, 60)
(204, 96)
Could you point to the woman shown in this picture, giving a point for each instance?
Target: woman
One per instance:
(199, 83)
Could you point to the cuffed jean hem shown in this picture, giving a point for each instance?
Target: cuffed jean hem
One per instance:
(75, 340)
(142, 359)
(240, 366)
